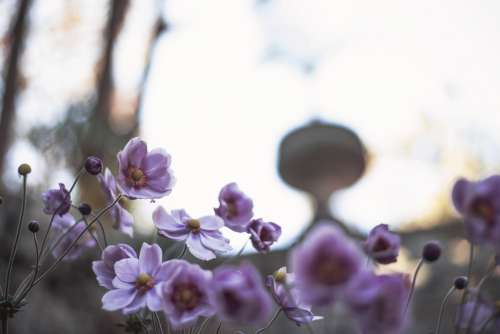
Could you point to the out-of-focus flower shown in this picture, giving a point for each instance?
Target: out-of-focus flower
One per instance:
(66, 231)
(144, 174)
(202, 235)
(378, 302)
(479, 204)
(240, 295)
(263, 234)
(285, 294)
(56, 201)
(104, 268)
(123, 220)
(482, 313)
(324, 264)
(135, 282)
(186, 294)
(382, 245)
(235, 208)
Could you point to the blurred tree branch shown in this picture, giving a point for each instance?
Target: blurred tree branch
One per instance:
(16, 38)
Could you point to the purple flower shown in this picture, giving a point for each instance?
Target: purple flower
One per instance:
(56, 201)
(186, 294)
(104, 269)
(202, 235)
(142, 174)
(479, 204)
(235, 208)
(324, 263)
(240, 295)
(123, 220)
(66, 231)
(482, 314)
(382, 245)
(263, 234)
(287, 298)
(136, 281)
(378, 302)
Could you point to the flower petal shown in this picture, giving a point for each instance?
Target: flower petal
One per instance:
(127, 270)
(215, 241)
(164, 221)
(211, 223)
(117, 299)
(149, 258)
(196, 248)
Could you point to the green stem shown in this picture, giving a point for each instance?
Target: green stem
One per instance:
(37, 265)
(16, 240)
(464, 294)
(412, 289)
(270, 322)
(203, 324)
(441, 310)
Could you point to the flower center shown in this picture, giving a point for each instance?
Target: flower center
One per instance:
(483, 209)
(194, 225)
(186, 297)
(136, 177)
(232, 208)
(331, 271)
(280, 276)
(144, 282)
(381, 245)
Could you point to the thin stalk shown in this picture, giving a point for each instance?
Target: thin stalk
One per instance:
(203, 324)
(13, 250)
(93, 236)
(486, 323)
(479, 289)
(270, 322)
(37, 265)
(441, 310)
(46, 235)
(464, 294)
(183, 252)
(67, 250)
(219, 327)
(157, 318)
(412, 289)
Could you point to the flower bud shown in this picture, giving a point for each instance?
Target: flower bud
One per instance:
(431, 251)
(93, 165)
(24, 169)
(33, 226)
(460, 282)
(85, 209)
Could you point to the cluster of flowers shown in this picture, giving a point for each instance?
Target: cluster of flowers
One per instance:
(327, 267)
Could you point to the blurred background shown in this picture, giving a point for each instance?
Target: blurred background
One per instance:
(357, 112)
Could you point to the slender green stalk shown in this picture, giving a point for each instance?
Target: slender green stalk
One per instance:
(441, 310)
(183, 252)
(464, 294)
(270, 322)
(13, 250)
(158, 321)
(203, 324)
(479, 288)
(486, 323)
(37, 266)
(219, 327)
(412, 289)
(93, 236)
(67, 250)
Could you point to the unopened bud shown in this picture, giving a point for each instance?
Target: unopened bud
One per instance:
(24, 169)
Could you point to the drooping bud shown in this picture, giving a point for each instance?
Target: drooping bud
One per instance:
(33, 226)
(431, 251)
(85, 209)
(93, 165)
(24, 169)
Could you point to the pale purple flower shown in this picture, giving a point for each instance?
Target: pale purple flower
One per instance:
(285, 295)
(66, 230)
(479, 204)
(123, 220)
(263, 234)
(202, 235)
(136, 281)
(104, 269)
(483, 313)
(382, 245)
(186, 294)
(143, 174)
(240, 295)
(235, 208)
(324, 264)
(56, 201)
(378, 302)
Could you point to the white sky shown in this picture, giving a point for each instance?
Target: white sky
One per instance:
(418, 80)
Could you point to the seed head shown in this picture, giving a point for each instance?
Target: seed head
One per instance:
(24, 169)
